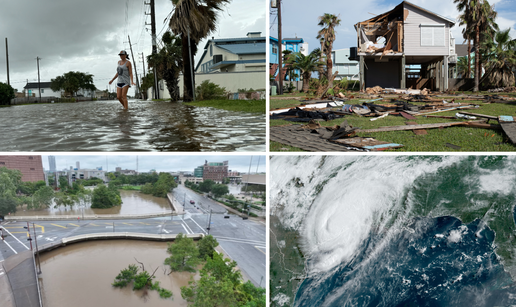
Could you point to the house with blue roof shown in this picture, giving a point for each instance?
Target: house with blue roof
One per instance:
(292, 44)
(233, 54)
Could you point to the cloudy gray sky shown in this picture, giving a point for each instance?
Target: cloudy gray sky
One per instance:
(159, 162)
(300, 17)
(86, 36)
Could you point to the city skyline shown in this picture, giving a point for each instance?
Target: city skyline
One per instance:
(161, 163)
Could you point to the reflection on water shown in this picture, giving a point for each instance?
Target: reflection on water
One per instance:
(133, 202)
(147, 126)
(81, 274)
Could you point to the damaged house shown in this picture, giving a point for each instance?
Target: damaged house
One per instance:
(407, 47)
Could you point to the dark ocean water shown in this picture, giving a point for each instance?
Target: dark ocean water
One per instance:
(419, 267)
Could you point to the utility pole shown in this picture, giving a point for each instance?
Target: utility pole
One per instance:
(209, 223)
(144, 75)
(280, 54)
(135, 70)
(7, 60)
(37, 251)
(154, 47)
(39, 83)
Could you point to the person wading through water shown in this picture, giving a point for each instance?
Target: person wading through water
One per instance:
(124, 72)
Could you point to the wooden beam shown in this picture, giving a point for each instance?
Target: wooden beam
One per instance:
(480, 115)
(413, 127)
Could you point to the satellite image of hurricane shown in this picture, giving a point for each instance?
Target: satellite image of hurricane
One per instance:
(397, 230)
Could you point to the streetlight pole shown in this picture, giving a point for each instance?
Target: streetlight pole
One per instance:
(37, 251)
(209, 223)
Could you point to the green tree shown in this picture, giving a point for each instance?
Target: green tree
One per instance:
(42, 198)
(63, 183)
(501, 59)
(306, 64)
(6, 94)
(219, 189)
(168, 63)
(9, 179)
(71, 82)
(482, 20)
(327, 35)
(207, 246)
(206, 185)
(184, 254)
(104, 197)
(221, 285)
(194, 19)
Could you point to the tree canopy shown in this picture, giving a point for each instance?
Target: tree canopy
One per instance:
(71, 82)
(104, 197)
(6, 94)
(184, 254)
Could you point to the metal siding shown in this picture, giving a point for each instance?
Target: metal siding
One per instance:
(412, 30)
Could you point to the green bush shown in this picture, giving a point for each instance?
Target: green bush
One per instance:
(6, 94)
(207, 90)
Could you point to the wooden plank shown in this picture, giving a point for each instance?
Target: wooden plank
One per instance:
(479, 115)
(367, 143)
(406, 115)
(483, 125)
(510, 130)
(403, 128)
(417, 131)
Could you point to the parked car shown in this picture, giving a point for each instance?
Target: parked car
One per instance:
(192, 202)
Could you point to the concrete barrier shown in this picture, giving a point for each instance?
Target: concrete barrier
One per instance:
(115, 236)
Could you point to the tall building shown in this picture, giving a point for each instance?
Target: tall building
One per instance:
(215, 171)
(198, 171)
(78, 165)
(52, 164)
(31, 167)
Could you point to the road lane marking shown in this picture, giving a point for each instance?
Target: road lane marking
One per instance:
(198, 226)
(15, 239)
(128, 224)
(74, 225)
(238, 239)
(94, 224)
(259, 248)
(185, 228)
(58, 225)
(144, 223)
(10, 247)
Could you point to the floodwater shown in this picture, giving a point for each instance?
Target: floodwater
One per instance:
(146, 126)
(81, 274)
(133, 203)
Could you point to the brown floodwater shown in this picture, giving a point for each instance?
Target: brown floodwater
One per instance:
(133, 203)
(81, 274)
(146, 126)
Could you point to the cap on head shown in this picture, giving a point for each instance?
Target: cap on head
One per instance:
(123, 52)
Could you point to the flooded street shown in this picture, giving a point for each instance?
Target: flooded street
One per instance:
(146, 126)
(133, 203)
(80, 275)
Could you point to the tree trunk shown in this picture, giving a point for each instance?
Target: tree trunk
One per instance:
(469, 59)
(187, 75)
(306, 82)
(477, 54)
(321, 69)
(329, 67)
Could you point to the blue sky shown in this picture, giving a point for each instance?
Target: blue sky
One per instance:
(300, 17)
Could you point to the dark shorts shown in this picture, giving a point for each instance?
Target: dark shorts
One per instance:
(122, 85)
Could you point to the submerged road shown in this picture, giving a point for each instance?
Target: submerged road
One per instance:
(146, 126)
(242, 240)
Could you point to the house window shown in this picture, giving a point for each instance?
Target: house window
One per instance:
(432, 35)
(2, 163)
(275, 49)
(42, 91)
(211, 50)
(31, 158)
(32, 169)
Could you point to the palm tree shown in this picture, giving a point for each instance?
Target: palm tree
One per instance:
(501, 58)
(467, 32)
(168, 63)
(327, 34)
(307, 64)
(194, 19)
(482, 20)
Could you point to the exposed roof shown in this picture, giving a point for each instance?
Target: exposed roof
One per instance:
(244, 48)
(399, 8)
(35, 85)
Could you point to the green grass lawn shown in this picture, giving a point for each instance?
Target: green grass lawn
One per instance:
(469, 139)
(250, 106)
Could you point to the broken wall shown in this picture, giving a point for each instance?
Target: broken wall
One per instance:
(384, 74)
